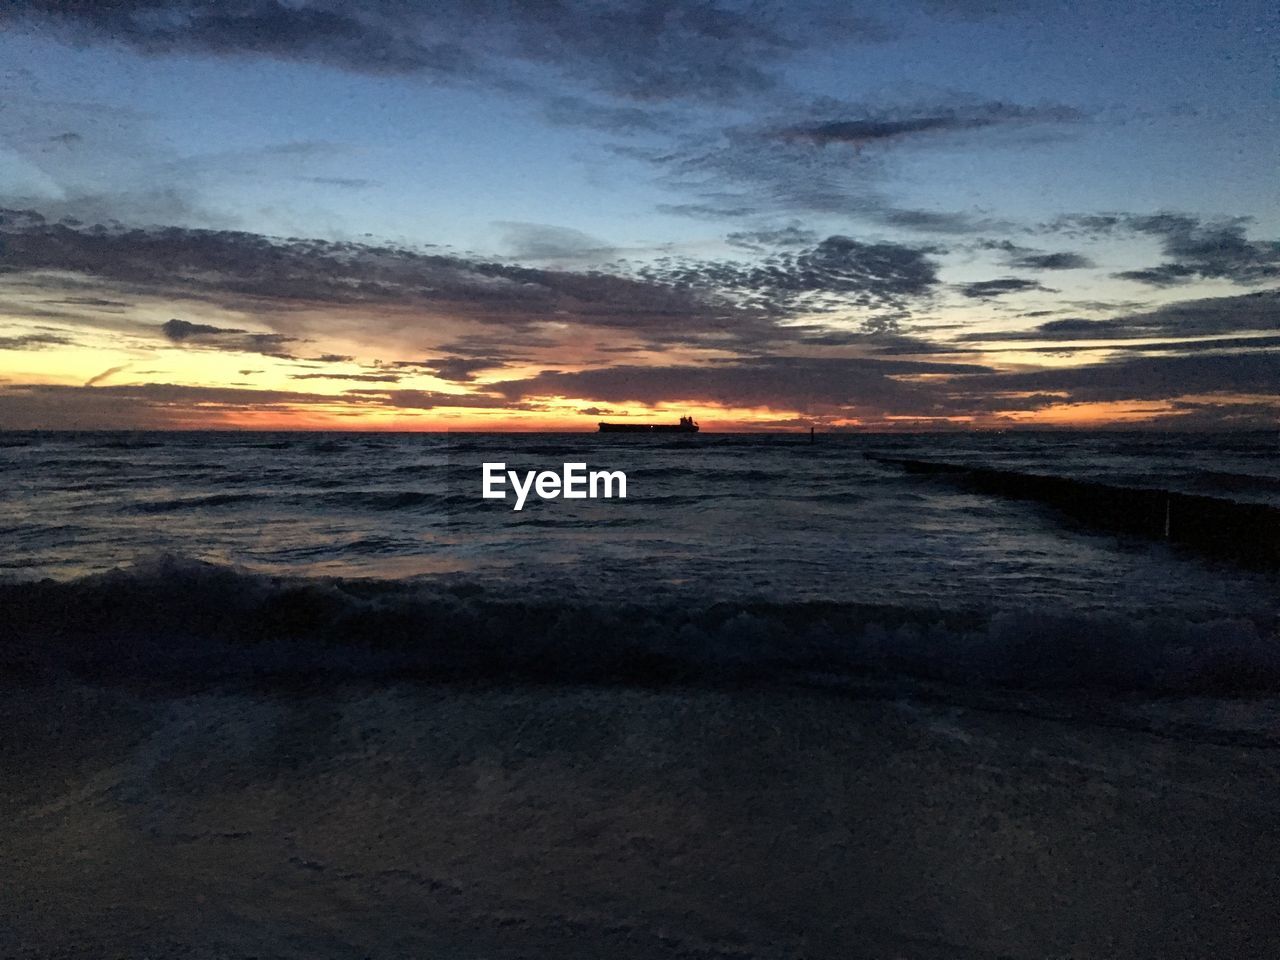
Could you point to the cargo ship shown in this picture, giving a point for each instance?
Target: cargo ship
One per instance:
(686, 425)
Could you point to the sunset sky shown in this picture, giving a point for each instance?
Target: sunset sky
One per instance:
(473, 214)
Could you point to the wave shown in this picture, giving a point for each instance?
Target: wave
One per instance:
(192, 503)
(171, 616)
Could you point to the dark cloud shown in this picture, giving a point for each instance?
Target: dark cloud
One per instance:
(509, 345)
(335, 34)
(138, 406)
(34, 341)
(1212, 316)
(433, 399)
(457, 369)
(927, 221)
(1215, 250)
(795, 383)
(91, 302)
(1199, 345)
(180, 330)
(109, 372)
(838, 269)
(1079, 327)
(782, 167)
(1148, 378)
(719, 303)
(635, 49)
(261, 274)
(989, 289)
(1165, 275)
(1199, 415)
(354, 377)
(1052, 261)
(1196, 248)
(232, 339)
(169, 405)
(871, 129)
(762, 241)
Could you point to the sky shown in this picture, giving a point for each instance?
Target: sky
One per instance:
(484, 215)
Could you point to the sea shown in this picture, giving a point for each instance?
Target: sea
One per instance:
(743, 555)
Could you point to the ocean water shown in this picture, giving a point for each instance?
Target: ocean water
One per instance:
(313, 692)
(728, 549)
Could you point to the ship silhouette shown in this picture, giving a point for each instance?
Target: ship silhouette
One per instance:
(686, 425)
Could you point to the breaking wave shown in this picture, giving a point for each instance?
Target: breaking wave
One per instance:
(176, 617)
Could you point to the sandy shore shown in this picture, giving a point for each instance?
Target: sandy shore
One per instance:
(411, 821)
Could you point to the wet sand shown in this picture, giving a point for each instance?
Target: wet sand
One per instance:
(418, 821)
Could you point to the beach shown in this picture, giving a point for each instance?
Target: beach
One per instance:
(513, 821)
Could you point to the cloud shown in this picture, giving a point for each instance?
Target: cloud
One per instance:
(927, 221)
(545, 242)
(989, 289)
(434, 399)
(262, 273)
(783, 166)
(1215, 250)
(794, 383)
(868, 129)
(760, 241)
(457, 369)
(1257, 312)
(226, 338)
(1052, 261)
(91, 302)
(180, 330)
(633, 49)
(334, 34)
(836, 270)
(1149, 378)
(181, 406)
(33, 341)
(710, 303)
(1165, 275)
(110, 371)
(139, 406)
(1199, 415)
(354, 377)
(1196, 248)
